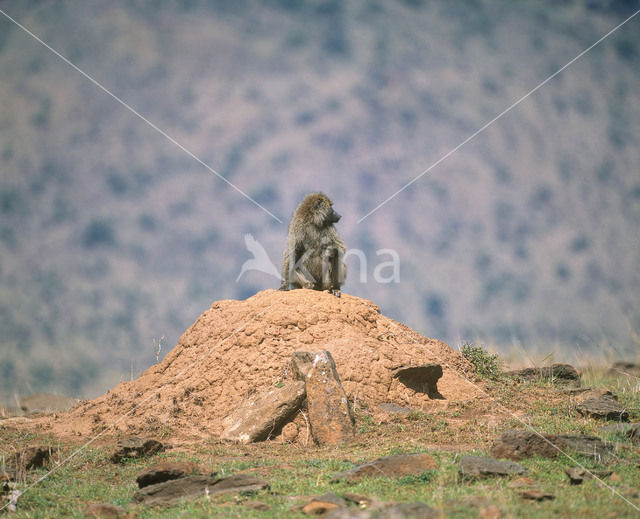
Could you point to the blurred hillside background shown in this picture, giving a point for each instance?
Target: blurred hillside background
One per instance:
(527, 239)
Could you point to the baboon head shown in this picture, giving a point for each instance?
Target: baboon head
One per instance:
(317, 209)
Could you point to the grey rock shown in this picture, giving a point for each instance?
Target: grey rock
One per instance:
(422, 379)
(323, 504)
(407, 511)
(518, 444)
(604, 407)
(191, 488)
(480, 466)
(390, 466)
(263, 416)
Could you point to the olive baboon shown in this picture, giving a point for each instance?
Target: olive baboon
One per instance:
(314, 253)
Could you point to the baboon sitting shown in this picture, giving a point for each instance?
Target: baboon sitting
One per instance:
(314, 253)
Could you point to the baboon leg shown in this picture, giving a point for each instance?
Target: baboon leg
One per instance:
(335, 272)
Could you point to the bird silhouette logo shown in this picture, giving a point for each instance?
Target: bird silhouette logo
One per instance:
(260, 260)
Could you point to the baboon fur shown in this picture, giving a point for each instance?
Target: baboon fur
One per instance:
(314, 254)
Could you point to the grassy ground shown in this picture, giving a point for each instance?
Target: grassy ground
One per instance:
(295, 473)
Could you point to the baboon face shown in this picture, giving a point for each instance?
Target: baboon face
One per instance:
(320, 209)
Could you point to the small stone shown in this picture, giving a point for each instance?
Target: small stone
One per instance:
(536, 495)
(580, 394)
(391, 467)
(322, 504)
(576, 475)
(165, 471)
(361, 500)
(301, 364)
(478, 466)
(136, 448)
(262, 416)
(104, 510)
(604, 407)
(422, 379)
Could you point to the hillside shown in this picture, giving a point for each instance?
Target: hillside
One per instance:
(111, 237)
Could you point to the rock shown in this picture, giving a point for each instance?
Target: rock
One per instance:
(104, 510)
(391, 408)
(577, 474)
(327, 404)
(478, 466)
(348, 513)
(536, 495)
(46, 403)
(604, 407)
(136, 448)
(557, 373)
(422, 379)
(390, 466)
(358, 499)
(263, 416)
(323, 504)
(33, 457)
(165, 471)
(630, 430)
(191, 488)
(518, 444)
(301, 364)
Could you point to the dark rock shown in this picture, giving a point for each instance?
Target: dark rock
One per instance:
(191, 488)
(392, 408)
(577, 474)
(358, 499)
(390, 467)
(478, 466)
(557, 373)
(33, 457)
(519, 444)
(46, 403)
(536, 495)
(104, 510)
(322, 504)
(604, 407)
(328, 408)
(165, 471)
(422, 379)
(264, 415)
(136, 448)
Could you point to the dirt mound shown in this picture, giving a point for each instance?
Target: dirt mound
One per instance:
(237, 348)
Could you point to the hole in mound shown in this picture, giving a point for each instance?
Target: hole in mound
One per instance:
(421, 379)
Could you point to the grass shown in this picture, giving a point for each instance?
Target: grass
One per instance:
(296, 473)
